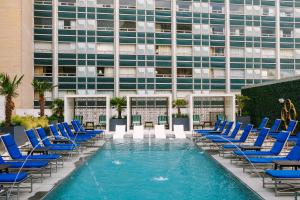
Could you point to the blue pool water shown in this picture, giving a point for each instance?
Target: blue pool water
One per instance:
(166, 170)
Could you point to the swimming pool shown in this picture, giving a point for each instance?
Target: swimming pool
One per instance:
(164, 170)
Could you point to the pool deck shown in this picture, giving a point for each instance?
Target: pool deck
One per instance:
(254, 183)
(41, 189)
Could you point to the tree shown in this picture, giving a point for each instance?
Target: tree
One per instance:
(57, 108)
(179, 103)
(241, 103)
(118, 103)
(41, 87)
(8, 88)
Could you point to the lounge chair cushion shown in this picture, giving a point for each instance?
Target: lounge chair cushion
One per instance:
(230, 146)
(283, 173)
(253, 153)
(27, 164)
(13, 177)
(265, 160)
(42, 157)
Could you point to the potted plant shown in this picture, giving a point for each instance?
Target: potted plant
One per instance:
(41, 87)
(8, 88)
(179, 118)
(57, 108)
(119, 103)
(242, 116)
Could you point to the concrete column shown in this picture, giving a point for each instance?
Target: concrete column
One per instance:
(117, 48)
(277, 32)
(174, 47)
(55, 48)
(107, 98)
(227, 44)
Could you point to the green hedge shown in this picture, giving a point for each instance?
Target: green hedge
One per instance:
(264, 100)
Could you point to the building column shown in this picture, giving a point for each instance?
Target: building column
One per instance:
(227, 44)
(117, 48)
(55, 48)
(174, 47)
(277, 32)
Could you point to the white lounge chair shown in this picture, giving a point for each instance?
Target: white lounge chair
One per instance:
(179, 131)
(120, 132)
(159, 131)
(138, 132)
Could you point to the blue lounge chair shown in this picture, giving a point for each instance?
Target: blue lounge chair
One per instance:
(226, 135)
(258, 142)
(293, 155)
(291, 127)
(72, 137)
(78, 136)
(242, 138)
(227, 130)
(220, 128)
(281, 181)
(59, 138)
(16, 154)
(275, 126)
(51, 147)
(14, 180)
(216, 126)
(274, 151)
(82, 129)
(261, 125)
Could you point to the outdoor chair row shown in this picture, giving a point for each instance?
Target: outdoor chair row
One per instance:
(44, 153)
(267, 152)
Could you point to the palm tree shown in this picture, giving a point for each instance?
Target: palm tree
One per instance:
(57, 107)
(179, 103)
(118, 103)
(8, 88)
(241, 101)
(41, 87)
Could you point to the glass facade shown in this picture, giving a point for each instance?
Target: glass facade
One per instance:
(164, 46)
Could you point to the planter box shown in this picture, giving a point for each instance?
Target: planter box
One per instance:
(114, 122)
(181, 121)
(18, 132)
(243, 119)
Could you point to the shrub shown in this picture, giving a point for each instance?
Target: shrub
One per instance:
(29, 122)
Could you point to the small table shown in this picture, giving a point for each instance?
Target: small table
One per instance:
(207, 122)
(89, 126)
(250, 147)
(149, 124)
(286, 163)
(41, 150)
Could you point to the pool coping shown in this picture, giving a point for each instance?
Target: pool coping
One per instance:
(40, 190)
(253, 183)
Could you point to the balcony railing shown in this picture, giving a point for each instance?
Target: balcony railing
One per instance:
(163, 75)
(67, 3)
(128, 29)
(43, 26)
(184, 31)
(42, 74)
(105, 28)
(66, 74)
(184, 75)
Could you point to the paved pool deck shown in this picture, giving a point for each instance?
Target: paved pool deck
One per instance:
(253, 182)
(41, 189)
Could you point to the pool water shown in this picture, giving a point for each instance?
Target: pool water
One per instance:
(166, 170)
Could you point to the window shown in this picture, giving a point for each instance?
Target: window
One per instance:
(163, 4)
(217, 29)
(184, 28)
(217, 51)
(105, 3)
(127, 4)
(43, 22)
(105, 25)
(267, 31)
(217, 73)
(127, 48)
(184, 50)
(236, 9)
(286, 32)
(163, 27)
(163, 50)
(217, 8)
(42, 70)
(184, 72)
(163, 72)
(237, 30)
(237, 52)
(127, 26)
(184, 6)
